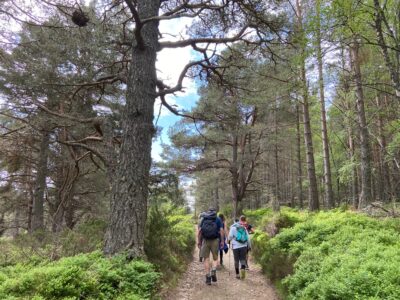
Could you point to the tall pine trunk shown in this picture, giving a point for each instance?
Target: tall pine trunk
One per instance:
(365, 149)
(329, 200)
(276, 199)
(37, 221)
(388, 192)
(313, 203)
(354, 175)
(130, 185)
(216, 188)
(299, 162)
(235, 176)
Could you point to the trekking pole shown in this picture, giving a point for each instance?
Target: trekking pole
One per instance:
(229, 260)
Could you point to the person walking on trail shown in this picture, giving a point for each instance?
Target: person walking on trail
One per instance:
(210, 238)
(239, 238)
(250, 230)
(223, 248)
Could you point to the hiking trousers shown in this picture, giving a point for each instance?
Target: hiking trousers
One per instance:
(239, 254)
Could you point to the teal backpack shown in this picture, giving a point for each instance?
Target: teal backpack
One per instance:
(241, 234)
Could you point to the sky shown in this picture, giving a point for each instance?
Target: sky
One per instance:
(170, 62)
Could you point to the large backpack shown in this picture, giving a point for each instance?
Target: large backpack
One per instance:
(241, 234)
(209, 227)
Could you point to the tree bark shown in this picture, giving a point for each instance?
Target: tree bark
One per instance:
(365, 149)
(235, 176)
(216, 189)
(69, 215)
(354, 184)
(29, 197)
(130, 187)
(299, 161)
(16, 222)
(313, 187)
(40, 184)
(387, 184)
(329, 200)
(277, 198)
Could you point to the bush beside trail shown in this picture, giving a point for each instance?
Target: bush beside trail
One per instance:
(330, 255)
(73, 267)
(170, 240)
(84, 276)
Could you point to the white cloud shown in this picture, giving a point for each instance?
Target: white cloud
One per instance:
(156, 150)
(171, 100)
(170, 62)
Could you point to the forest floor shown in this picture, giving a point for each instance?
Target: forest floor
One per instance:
(192, 285)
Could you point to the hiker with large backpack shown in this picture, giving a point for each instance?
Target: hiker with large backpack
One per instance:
(239, 238)
(210, 237)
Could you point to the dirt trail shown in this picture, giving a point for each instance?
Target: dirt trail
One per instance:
(192, 285)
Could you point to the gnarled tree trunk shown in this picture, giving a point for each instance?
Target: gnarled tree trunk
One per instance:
(130, 186)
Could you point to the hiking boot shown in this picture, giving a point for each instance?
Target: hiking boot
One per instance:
(214, 275)
(242, 273)
(208, 279)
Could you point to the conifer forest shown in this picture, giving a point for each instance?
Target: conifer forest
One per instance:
(122, 120)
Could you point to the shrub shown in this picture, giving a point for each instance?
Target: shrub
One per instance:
(334, 255)
(170, 240)
(255, 216)
(85, 276)
(25, 248)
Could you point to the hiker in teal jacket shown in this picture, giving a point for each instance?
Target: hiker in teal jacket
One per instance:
(239, 238)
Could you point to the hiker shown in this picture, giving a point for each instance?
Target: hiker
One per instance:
(250, 230)
(210, 238)
(239, 238)
(249, 227)
(223, 248)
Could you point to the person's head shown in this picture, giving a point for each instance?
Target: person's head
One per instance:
(222, 217)
(212, 208)
(242, 218)
(236, 220)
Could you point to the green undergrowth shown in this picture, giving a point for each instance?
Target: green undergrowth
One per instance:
(30, 249)
(170, 240)
(70, 265)
(84, 276)
(330, 255)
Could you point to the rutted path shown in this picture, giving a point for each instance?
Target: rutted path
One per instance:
(192, 285)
